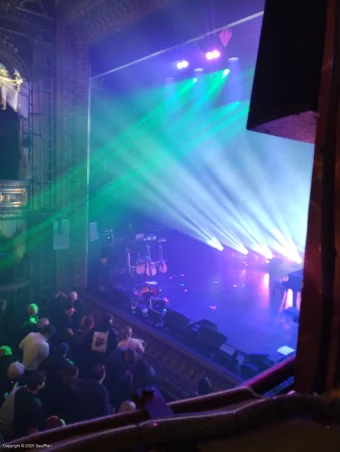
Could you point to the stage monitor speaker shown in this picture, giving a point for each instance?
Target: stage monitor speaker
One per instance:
(285, 92)
(175, 321)
(211, 338)
(260, 360)
(61, 234)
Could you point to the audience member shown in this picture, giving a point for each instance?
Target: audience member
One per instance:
(54, 422)
(54, 366)
(127, 406)
(95, 397)
(35, 347)
(127, 341)
(100, 342)
(43, 321)
(14, 377)
(29, 416)
(7, 416)
(6, 358)
(65, 323)
(143, 375)
(119, 382)
(79, 309)
(86, 326)
(204, 386)
(70, 395)
(29, 324)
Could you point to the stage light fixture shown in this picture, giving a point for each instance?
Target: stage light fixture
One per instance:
(225, 73)
(233, 59)
(182, 64)
(213, 55)
(198, 69)
(195, 80)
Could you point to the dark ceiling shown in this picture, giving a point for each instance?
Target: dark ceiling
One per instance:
(171, 24)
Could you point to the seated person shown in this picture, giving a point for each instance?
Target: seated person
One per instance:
(127, 341)
(35, 347)
(29, 415)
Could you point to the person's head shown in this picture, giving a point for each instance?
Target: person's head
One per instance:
(87, 322)
(98, 373)
(5, 351)
(204, 386)
(73, 296)
(15, 371)
(107, 321)
(125, 333)
(48, 331)
(130, 356)
(70, 374)
(43, 322)
(32, 310)
(54, 422)
(35, 381)
(68, 308)
(127, 406)
(63, 349)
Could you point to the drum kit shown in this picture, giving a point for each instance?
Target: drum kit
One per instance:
(140, 265)
(147, 297)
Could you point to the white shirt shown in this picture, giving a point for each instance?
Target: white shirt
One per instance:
(133, 344)
(35, 350)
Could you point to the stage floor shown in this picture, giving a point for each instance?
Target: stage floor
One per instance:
(238, 301)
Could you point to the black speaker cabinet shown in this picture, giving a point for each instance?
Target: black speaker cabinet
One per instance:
(175, 321)
(285, 92)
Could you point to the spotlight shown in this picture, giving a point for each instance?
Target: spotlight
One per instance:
(195, 80)
(198, 69)
(225, 73)
(182, 64)
(213, 55)
(233, 59)
(214, 243)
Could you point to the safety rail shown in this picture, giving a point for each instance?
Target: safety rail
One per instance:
(209, 403)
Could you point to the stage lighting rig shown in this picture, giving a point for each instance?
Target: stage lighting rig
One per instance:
(182, 64)
(213, 47)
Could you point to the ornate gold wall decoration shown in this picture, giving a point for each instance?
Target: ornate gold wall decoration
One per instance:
(13, 195)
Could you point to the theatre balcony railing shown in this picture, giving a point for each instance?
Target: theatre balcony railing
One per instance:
(241, 399)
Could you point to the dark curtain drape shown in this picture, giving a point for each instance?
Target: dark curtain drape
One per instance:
(9, 144)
